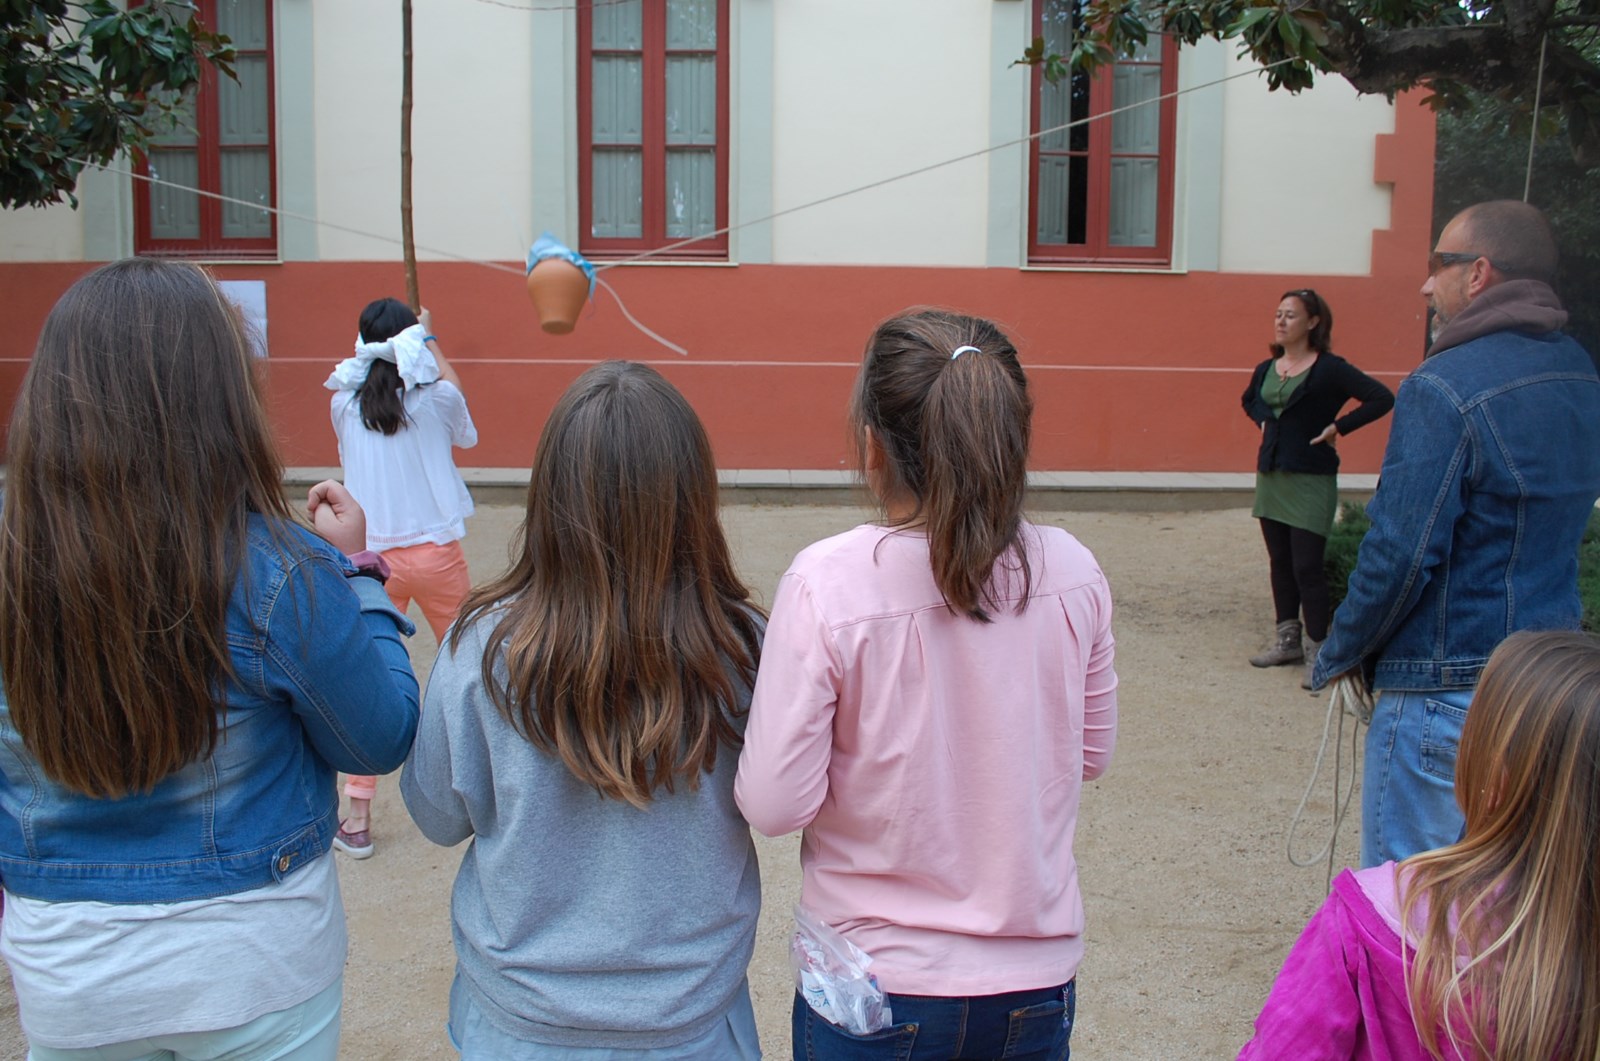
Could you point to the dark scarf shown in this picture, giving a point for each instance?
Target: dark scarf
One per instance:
(1528, 306)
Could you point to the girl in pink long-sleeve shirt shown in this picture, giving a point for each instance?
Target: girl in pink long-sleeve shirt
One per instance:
(1487, 950)
(933, 693)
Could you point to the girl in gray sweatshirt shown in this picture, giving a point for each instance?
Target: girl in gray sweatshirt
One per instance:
(582, 729)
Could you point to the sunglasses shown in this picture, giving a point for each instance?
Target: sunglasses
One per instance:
(1443, 259)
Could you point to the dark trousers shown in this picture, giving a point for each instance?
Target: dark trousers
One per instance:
(1298, 580)
(1019, 1026)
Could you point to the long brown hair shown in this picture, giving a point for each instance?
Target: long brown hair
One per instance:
(954, 432)
(1507, 961)
(621, 628)
(137, 448)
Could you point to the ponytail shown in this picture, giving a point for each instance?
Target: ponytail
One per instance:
(382, 405)
(380, 394)
(954, 431)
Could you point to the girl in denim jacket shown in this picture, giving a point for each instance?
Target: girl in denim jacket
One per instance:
(185, 669)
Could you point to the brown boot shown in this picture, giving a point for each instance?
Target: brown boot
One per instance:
(1284, 647)
(1312, 649)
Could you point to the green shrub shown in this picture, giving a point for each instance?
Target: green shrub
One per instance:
(1352, 526)
(1589, 574)
(1340, 558)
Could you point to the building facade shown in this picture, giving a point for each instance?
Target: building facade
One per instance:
(1135, 258)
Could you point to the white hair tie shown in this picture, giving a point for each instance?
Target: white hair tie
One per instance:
(963, 349)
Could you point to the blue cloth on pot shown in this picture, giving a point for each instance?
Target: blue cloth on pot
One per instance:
(547, 246)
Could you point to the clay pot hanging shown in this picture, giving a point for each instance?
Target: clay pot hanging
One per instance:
(558, 289)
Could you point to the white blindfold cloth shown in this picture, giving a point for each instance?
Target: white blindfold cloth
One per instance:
(408, 352)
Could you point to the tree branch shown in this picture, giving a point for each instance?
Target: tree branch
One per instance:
(1526, 19)
(1487, 58)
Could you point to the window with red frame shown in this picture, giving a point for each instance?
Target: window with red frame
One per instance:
(224, 144)
(1101, 191)
(653, 127)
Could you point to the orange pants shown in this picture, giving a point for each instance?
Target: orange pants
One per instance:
(436, 577)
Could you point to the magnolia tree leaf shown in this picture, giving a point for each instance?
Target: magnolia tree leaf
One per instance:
(85, 83)
(1462, 51)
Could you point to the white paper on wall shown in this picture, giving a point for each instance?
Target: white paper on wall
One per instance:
(250, 296)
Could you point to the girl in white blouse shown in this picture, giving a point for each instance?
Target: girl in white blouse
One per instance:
(398, 408)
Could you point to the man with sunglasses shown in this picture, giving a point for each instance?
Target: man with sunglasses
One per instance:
(1489, 478)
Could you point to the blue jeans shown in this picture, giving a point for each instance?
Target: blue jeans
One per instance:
(1408, 796)
(1018, 1026)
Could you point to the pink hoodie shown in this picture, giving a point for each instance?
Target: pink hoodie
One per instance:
(1342, 991)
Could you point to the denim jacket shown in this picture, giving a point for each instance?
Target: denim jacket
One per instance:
(321, 683)
(1491, 473)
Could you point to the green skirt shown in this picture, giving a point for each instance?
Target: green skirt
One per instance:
(1298, 499)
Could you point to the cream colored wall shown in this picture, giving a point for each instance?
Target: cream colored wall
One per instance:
(51, 234)
(1297, 188)
(908, 85)
(869, 90)
(472, 161)
(860, 92)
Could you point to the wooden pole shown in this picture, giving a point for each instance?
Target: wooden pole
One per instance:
(407, 239)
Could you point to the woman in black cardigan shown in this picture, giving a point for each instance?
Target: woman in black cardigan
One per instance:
(1295, 397)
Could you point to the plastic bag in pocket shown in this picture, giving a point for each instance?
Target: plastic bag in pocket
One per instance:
(833, 976)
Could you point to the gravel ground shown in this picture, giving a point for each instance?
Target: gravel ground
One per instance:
(1190, 899)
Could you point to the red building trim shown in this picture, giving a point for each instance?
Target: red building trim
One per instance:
(1096, 249)
(209, 149)
(653, 144)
